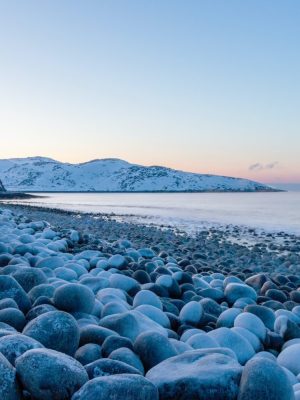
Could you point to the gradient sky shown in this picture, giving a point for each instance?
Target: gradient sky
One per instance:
(206, 86)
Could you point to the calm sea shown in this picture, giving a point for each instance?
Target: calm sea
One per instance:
(189, 211)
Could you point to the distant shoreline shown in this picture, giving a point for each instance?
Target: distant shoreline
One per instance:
(16, 195)
(152, 191)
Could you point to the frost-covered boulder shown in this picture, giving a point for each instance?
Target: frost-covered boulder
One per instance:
(13, 346)
(10, 288)
(211, 374)
(263, 379)
(202, 341)
(9, 386)
(155, 314)
(117, 261)
(125, 283)
(48, 374)
(226, 318)
(90, 333)
(73, 297)
(131, 324)
(29, 277)
(234, 341)
(13, 317)
(264, 313)
(128, 357)
(191, 313)
(252, 323)
(112, 343)
(56, 330)
(146, 297)
(290, 358)
(235, 291)
(125, 387)
(153, 348)
(106, 367)
(88, 353)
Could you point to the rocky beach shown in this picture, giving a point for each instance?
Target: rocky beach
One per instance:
(92, 307)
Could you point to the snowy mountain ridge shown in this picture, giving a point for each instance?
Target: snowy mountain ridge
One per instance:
(112, 175)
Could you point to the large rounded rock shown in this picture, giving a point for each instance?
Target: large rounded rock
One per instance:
(128, 357)
(131, 324)
(13, 317)
(264, 313)
(106, 367)
(112, 343)
(74, 297)
(9, 387)
(125, 283)
(125, 387)
(47, 374)
(210, 374)
(88, 353)
(252, 323)
(56, 330)
(235, 291)
(94, 334)
(290, 358)
(263, 379)
(153, 348)
(13, 346)
(29, 277)
(191, 313)
(10, 288)
(234, 341)
(147, 297)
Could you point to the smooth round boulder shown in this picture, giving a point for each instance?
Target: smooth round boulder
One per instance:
(29, 277)
(131, 324)
(48, 374)
(94, 334)
(147, 297)
(152, 348)
(56, 330)
(264, 313)
(289, 358)
(10, 288)
(252, 323)
(74, 297)
(235, 291)
(112, 343)
(125, 387)
(128, 357)
(117, 261)
(13, 346)
(191, 313)
(9, 386)
(123, 282)
(226, 318)
(13, 317)
(202, 341)
(210, 374)
(263, 379)
(234, 341)
(106, 367)
(88, 353)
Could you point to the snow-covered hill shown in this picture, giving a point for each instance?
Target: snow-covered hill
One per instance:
(111, 175)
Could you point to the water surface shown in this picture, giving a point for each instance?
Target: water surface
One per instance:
(190, 211)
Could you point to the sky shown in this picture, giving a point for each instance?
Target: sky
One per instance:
(204, 86)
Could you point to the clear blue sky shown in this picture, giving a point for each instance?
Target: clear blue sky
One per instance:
(206, 86)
